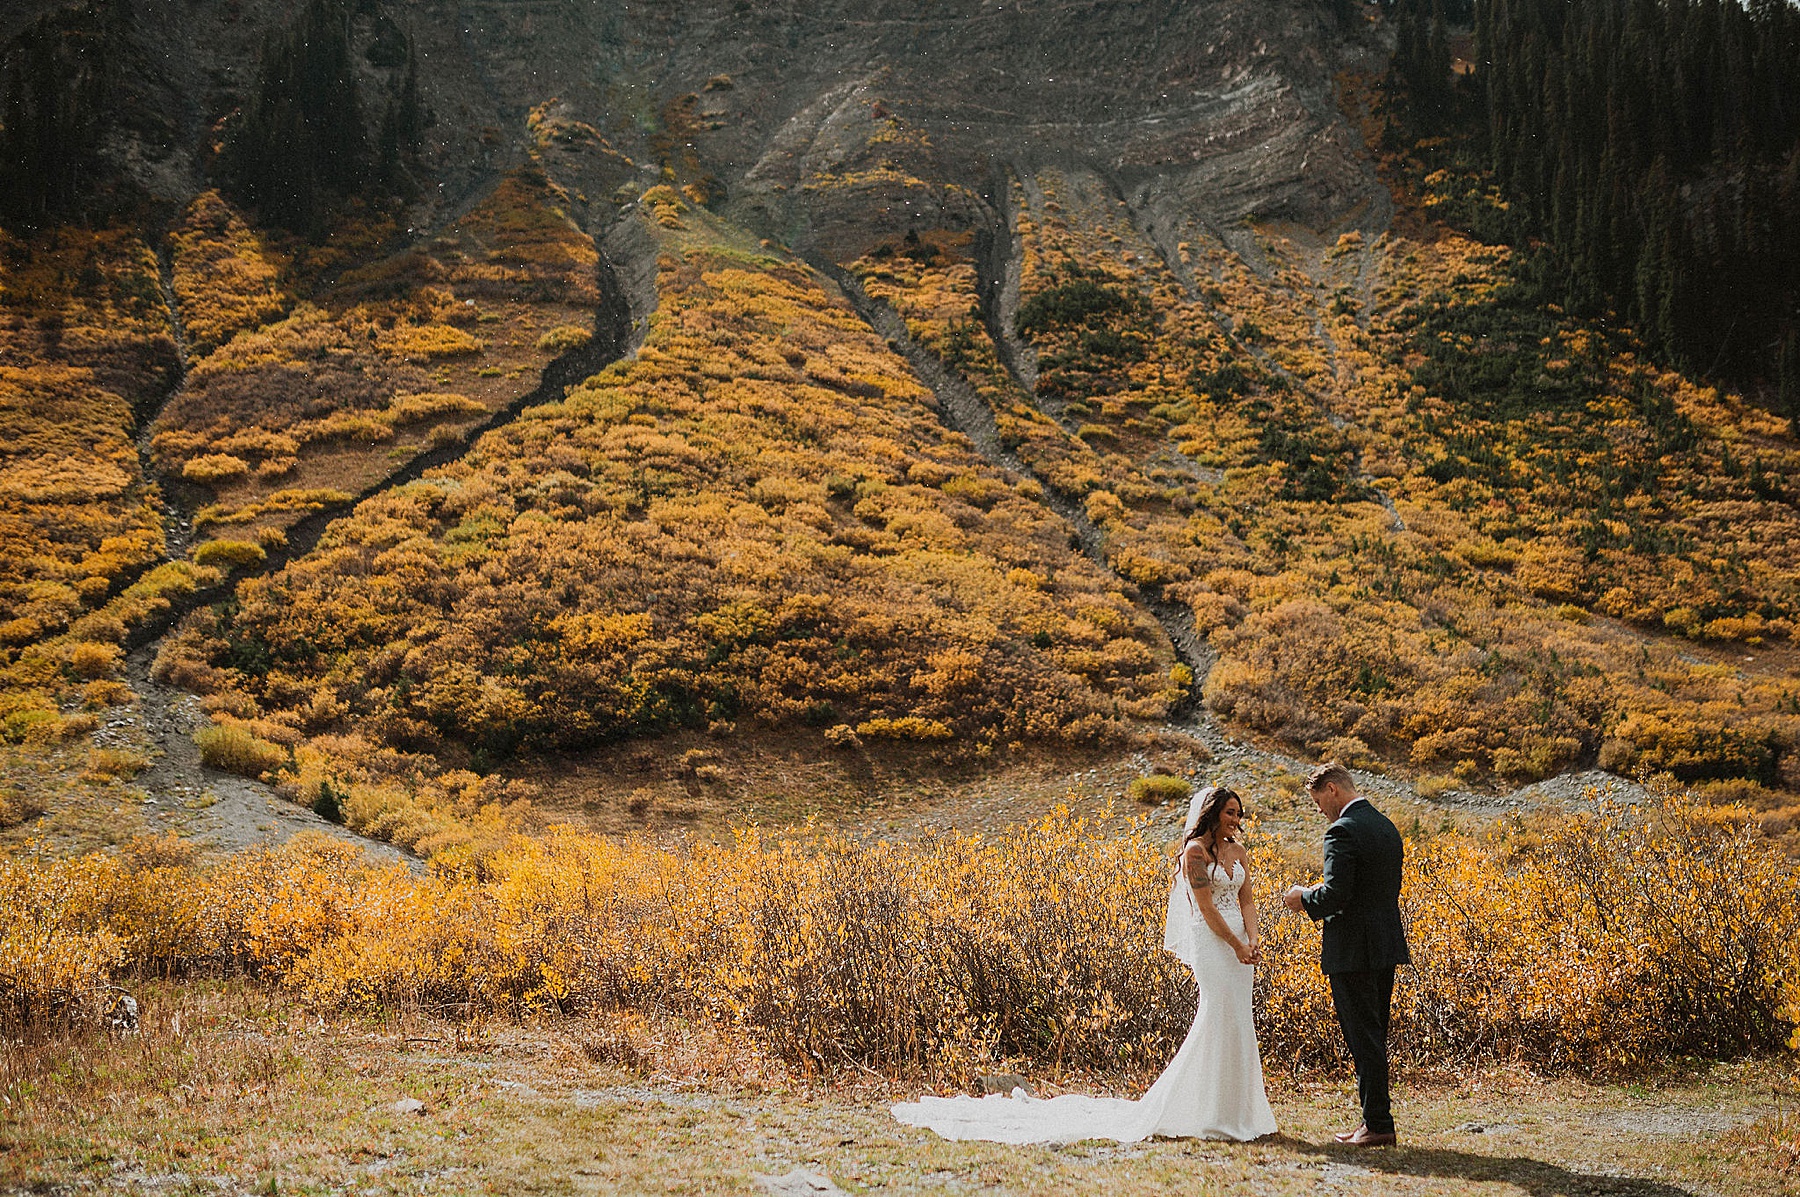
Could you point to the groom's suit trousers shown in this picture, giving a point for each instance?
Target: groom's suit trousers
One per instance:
(1363, 1000)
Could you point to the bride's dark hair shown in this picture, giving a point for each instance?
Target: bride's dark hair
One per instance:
(1210, 810)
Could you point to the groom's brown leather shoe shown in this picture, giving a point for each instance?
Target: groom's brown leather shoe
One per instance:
(1362, 1136)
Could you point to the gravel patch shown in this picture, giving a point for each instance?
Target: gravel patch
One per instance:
(226, 812)
(1672, 1121)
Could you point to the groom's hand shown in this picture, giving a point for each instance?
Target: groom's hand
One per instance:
(1292, 899)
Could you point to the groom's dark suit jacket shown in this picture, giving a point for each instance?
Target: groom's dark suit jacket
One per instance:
(1359, 900)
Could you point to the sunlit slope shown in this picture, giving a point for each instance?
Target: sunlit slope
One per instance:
(1417, 517)
(318, 370)
(759, 520)
(85, 346)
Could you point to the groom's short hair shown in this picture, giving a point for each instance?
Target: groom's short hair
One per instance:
(1330, 773)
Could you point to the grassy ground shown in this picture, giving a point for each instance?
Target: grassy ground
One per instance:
(228, 1088)
(781, 779)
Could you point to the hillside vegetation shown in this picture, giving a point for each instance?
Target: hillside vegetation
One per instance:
(1416, 515)
(757, 521)
(317, 371)
(85, 349)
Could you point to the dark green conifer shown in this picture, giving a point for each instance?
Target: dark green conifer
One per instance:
(301, 144)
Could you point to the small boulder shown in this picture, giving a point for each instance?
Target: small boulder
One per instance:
(408, 1105)
(123, 1017)
(799, 1183)
(1003, 1082)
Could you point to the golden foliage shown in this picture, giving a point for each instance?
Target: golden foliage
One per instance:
(1405, 509)
(414, 342)
(236, 749)
(1160, 788)
(226, 277)
(85, 340)
(303, 386)
(563, 338)
(211, 468)
(1617, 939)
(720, 528)
(229, 554)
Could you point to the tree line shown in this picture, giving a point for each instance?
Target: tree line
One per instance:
(1655, 145)
(303, 141)
(59, 75)
(300, 145)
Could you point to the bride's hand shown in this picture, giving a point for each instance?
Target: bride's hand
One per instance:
(1246, 954)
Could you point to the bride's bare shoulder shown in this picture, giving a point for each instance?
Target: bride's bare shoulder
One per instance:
(1195, 850)
(1195, 856)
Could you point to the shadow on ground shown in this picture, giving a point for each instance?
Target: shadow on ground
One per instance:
(1536, 1177)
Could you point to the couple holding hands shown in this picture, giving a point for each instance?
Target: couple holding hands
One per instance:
(1214, 1086)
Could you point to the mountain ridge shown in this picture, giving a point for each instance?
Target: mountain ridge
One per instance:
(1332, 482)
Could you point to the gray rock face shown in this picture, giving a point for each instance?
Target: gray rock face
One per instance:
(829, 123)
(911, 107)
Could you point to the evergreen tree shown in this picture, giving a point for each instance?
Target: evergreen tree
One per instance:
(59, 76)
(1421, 64)
(300, 145)
(1656, 145)
(1787, 375)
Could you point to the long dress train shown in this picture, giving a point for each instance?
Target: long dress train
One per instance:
(1212, 1089)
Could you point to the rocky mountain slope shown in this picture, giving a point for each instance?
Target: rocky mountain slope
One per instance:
(1229, 107)
(959, 380)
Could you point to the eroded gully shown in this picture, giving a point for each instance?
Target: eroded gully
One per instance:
(231, 812)
(966, 412)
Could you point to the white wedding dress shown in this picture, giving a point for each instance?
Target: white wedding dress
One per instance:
(1212, 1089)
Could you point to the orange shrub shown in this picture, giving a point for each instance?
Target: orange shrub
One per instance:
(212, 468)
(229, 554)
(1615, 940)
(227, 277)
(236, 749)
(713, 530)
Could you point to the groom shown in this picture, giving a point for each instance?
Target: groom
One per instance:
(1363, 941)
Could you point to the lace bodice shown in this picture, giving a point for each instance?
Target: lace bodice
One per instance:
(1225, 886)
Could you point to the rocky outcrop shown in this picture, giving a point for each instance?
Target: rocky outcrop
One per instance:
(826, 124)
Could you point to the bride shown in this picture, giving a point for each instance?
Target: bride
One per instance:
(1213, 1088)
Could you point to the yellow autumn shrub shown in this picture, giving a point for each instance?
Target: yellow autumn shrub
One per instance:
(212, 468)
(563, 338)
(236, 749)
(1611, 941)
(425, 341)
(229, 554)
(56, 958)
